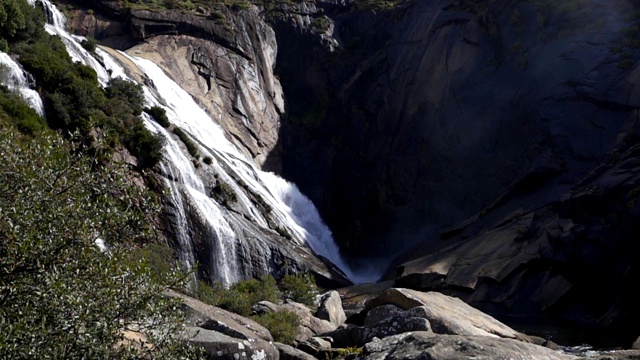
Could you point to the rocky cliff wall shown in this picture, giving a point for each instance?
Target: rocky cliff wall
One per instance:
(434, 110)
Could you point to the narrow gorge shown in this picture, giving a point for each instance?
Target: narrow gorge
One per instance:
(487, 150)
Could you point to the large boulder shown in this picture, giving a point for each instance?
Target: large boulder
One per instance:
(224, 335)
(330, 309)
(380, 313)
(219, 346)
(424, 345)
(214, 318)
(447, 315)
(288, 352)
(309, 325)
(410, 320)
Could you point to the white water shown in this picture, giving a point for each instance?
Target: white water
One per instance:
(16, 80)
(292, 210)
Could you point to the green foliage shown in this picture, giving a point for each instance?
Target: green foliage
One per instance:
(223, 192)
(159, 115)
(127, 92)
(12, 18)
(186, 140)
(241, 296)
(300, 288)
(283, 325)
(60, 296)
(14, 111)
(74, 100)
(90, 44)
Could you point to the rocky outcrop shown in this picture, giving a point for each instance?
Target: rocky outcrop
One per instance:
(347, 336)
(330, 308)
(310, 325)
(439, 108)
(290, 353)
(223, 58)
(548, 261)
(447, 315)
(224, 335)
(426, 345)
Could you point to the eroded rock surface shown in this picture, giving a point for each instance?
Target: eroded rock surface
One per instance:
(424, 345)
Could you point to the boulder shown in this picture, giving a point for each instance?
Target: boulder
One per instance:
(447, 315)
(315, 346)
(213, 318)
(425, 345)
(220, 346)
(264, 307)
(636, 344)
(290, 353)
(309, 324)
(330, 308)
(380, 313)
(347, 336)
(224, 335)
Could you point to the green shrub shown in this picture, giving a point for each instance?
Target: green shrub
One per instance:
(300, 288)
(128, 91)
(55, 281)
(17, 113)
(223, 192)
(159, 114)
(283, 325)
(186, 140)
(208, 160)
(89, 44)
(241, 296)
(144, 145)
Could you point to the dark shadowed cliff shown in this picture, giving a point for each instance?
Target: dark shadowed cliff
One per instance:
(490, 145)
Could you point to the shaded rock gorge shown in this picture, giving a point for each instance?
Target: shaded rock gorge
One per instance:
(485, 149)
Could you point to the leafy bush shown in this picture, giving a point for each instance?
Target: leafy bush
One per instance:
(62, 297)
(186, 140)
(89, 44)
(300, 288)
(283, 325)
(17, 113)
(159, 115)
(241, 296)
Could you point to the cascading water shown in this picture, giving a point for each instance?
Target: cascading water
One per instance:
(288, 211)
(16, 79)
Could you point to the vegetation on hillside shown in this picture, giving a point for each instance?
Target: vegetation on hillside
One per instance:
(241, 296)
(73, 98)
(63, 295)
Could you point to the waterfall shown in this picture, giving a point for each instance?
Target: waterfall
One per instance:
(16, 79)
(289, 210)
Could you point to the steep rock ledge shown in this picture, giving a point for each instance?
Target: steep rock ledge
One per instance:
(226, 63)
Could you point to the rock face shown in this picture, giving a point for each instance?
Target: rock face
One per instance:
(424, 345)
(438, 108)
(484, 136)
(330, 309)
(548, 261)
(228, 68)
(225, 335)
(447, 315)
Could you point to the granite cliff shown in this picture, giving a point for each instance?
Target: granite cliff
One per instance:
(490, 146)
